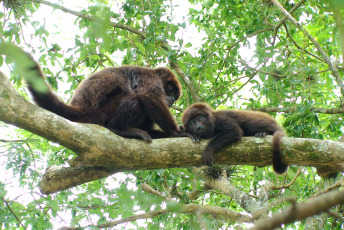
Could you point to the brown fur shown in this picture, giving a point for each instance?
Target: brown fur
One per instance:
(225, 127)
(129, 100)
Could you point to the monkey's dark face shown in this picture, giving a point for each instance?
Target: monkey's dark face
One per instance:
(172, 93)
(171, 84)
(200, 125)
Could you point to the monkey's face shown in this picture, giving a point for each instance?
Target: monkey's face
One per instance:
(200, 125)
(172, 86)
(172, 93)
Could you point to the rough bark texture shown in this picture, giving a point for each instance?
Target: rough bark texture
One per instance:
(100, 150)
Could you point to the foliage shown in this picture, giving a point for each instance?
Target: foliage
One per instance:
(235, 56)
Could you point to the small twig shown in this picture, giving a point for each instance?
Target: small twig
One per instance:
(316, 44)
(299, 47)
(291, 182)
(124, 220)
(145, 187)
(90, 17)
(243, 85)
(177, 108)
(186, 80)
(261, 71)
(13, 213)
(338, 184)
(248, 36)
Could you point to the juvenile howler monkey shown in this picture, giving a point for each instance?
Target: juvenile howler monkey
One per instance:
(128, 100)
(228, 126)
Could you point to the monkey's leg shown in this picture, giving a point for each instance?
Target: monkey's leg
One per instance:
(230, 134)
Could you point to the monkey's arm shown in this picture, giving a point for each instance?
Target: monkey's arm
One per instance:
(228, 132)
(156, 108)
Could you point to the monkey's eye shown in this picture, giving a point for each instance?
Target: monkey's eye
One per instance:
(193, 122)
(197, 121)
(200, 119)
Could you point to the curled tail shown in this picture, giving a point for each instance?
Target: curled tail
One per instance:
(277, 162)
(46, 98)
(40, 90)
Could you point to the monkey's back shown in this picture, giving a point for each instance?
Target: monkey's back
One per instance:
(252, 122)
(110, 89)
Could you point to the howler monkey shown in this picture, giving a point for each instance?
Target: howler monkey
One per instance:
(228, 126)
(128, 100)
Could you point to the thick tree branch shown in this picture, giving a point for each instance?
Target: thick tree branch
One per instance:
(316, 44)
(105, 153)
(222, 184)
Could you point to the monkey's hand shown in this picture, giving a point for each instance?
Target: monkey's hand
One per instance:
(195, 138)
(208, 157)
(134, 132)
(260, 134)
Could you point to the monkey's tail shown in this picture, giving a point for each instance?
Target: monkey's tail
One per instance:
(41, 92)
(277, 162)
(45, 97)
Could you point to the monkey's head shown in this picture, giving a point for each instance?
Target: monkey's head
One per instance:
(199, 119)
(172, 86)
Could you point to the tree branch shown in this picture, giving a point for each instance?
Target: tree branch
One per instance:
(291, 110)
(186, 80)
(317, 45)
(299, 47)
(261, 71)
(241, 198)
(301, 211)
(295, 7)
(13, 213)
(91, 18)
(267, 29)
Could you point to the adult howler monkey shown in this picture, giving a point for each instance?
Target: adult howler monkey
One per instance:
(128, 100)
(228, 126)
